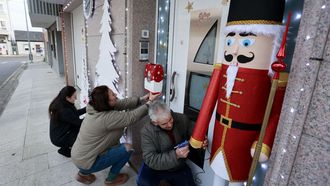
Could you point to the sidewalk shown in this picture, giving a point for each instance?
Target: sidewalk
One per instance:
(27, 157)
(21, 58)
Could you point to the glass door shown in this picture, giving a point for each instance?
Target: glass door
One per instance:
(193, 39)
(162, 40)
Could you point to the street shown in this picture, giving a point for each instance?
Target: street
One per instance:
(27, 156)
(10, 69)
(7, 69)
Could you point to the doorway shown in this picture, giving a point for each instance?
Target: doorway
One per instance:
(191, 51)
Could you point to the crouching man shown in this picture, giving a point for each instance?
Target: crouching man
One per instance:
(159, 138)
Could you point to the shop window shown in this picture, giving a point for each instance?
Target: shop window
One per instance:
(205, 53)
(38, 49)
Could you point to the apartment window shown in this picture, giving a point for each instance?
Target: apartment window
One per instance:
(1, 9)
(3, 25)
(38, 49)
(26, 47)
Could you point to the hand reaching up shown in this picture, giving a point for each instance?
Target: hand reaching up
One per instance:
(144, 98)
(153, 97)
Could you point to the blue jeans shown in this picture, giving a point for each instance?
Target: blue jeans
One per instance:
(151, 177)
(116, 157)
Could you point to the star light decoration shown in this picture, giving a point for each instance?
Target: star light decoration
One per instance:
(189, 6)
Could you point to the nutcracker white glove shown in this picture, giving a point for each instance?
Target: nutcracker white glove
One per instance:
(262, 158)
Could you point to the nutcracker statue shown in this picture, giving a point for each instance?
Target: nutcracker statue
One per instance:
(240, 88)
(153, 78)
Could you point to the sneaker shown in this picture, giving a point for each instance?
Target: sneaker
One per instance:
(120, 179)
(65, 152)
(85, 179)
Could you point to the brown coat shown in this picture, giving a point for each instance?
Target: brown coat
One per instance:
(102, 130)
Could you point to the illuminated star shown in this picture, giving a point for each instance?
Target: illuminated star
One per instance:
(189, 6)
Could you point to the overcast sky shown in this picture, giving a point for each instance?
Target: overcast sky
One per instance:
(16, 13)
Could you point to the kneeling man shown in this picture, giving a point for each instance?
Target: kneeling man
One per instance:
(159, 138)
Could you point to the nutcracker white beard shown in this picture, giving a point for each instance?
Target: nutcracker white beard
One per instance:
(231, 75)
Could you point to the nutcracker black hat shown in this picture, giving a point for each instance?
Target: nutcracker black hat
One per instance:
(268, 12)
(261, 17)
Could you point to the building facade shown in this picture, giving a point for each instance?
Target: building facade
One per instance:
(103, 41)
(46, 15)
(6, 34)
(35, 39)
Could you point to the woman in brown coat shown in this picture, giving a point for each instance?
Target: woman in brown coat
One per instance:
(97, 146)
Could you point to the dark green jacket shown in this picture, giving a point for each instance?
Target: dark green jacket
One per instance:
(158, 150)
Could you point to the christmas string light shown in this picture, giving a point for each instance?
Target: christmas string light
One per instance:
(67, 5)
(64, 45)
(292, 110)
(126, 54)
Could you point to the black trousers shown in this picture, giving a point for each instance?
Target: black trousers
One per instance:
(151, 177)
(67, 140)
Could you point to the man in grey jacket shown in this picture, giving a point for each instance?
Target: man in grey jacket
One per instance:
(159, 138)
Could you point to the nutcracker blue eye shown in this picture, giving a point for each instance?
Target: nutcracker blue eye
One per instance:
(230, 41)
(246, 42)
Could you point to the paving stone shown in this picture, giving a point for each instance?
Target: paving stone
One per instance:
(27, 157)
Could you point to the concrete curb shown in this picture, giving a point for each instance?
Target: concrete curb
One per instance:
(8, 87)
(16, 73)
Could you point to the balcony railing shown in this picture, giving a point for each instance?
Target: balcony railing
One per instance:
(41, 7)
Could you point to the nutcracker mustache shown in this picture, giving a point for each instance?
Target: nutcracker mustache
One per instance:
(231, 75)
(240, 58)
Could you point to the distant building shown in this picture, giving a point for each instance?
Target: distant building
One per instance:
(36, 40)
(5, 30)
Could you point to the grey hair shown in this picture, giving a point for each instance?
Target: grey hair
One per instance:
(158, 110)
